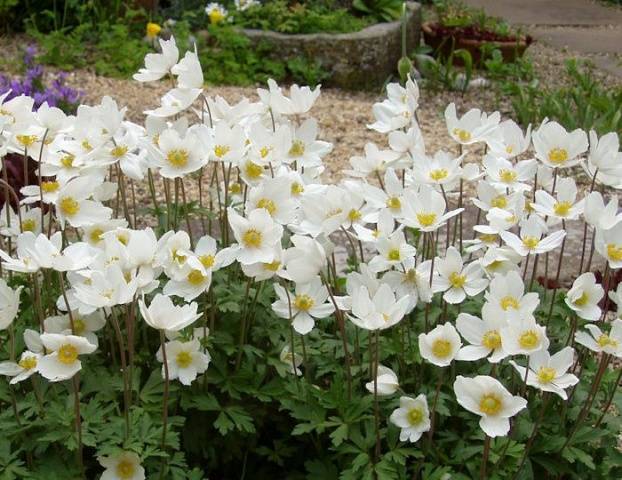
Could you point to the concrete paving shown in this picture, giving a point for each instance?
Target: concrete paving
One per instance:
(550, 12)
(591, 29)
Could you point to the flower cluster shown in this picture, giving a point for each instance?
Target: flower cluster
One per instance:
(56, 94)
(400, 211)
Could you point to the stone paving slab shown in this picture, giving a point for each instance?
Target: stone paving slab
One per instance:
(551, 12)
(583, 40)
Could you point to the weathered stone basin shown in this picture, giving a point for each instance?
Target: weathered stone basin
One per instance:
(358, 60)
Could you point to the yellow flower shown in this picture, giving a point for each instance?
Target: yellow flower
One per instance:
(153, 30)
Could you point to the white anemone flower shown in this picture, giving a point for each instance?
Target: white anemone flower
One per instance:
(257, 235)
(185, 360)
(562, 207)
(309, 302)
(531, 238)
(558, 148)
(386, 382)
(601, 215)
(375, 161)
(549, 372)
(502, 173)
(412, 417)
(123, 466)
(74, 207)
(425, 210)
(293, 361)
(179, 155)
(9, 304)
(508, 140)
(608, 244)
(413, 281)
(601, 342)
(506, 297)
(584, 297)
(473, 127)
(392, 251)
(441, 345)
(27, 366)
(162, 314)
(488, 398)
(483, 335)
(83, 325)
(605, 159)
(458, 281)
(63, 360)
(157, 65)
(378, 311)
(524, 337)
(305, 260)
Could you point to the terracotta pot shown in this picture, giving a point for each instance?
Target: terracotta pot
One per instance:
(442, 44)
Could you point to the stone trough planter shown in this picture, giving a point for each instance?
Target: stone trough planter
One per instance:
(358, 60)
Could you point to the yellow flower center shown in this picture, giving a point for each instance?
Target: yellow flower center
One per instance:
(195, 277)
(297, 189)
(264, 151)
(216, 16)
(67, 354)
(178, 257)
(509, 149)
(394, 255)
(582, 300)
(509, 302)
(184, 359)
(410, 276)
(50, 186)
(441, 348)
(252, 238)
(28, 363)
(394, 203)
(426, 219)
(86, 145)
(235, 188)
(303, 302)
(153, 29)
(614, 252)
(69, 206)
(546, 374)
(490, 404)
(272, 266)
(463, 135)
(26, 140)
(488, 238)
(558, 156)
(530, 242)
(67, 160)
(96, 235)
(29, 225)
(78, 326)
(438, 174)
(415, 416)
(221, 150)
(499, 201)
(118, 151)
(562, 209)
(457, 280)
(178, 158)
(207, 260)
(298, 149)
(529, 339)
(507, 176)
(252, 170)
(491, 339)
(606, 341)
(354, 215)
(267, 204)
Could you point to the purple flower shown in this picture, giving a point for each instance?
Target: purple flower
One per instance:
(32, 84)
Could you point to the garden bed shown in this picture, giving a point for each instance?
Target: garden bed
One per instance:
(358, 60)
